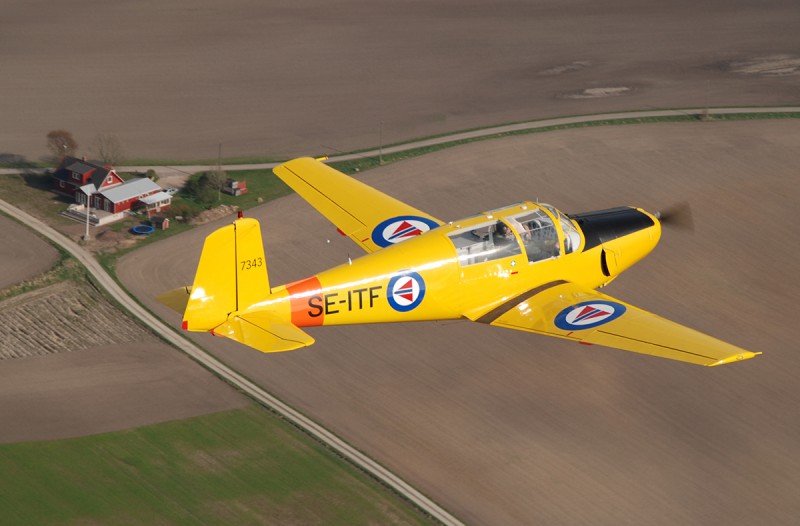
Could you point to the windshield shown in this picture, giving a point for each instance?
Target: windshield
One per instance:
(538, 234)
(572, 239)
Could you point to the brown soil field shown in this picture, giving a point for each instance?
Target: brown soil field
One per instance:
(506, 428)
(174, 79)
(23, 254)
(71, 364)
(69, 317)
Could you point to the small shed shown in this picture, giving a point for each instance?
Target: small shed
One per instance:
(160, 222)
(234, 187)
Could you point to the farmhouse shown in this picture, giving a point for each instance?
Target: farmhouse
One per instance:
(74, 173)
(110, 196)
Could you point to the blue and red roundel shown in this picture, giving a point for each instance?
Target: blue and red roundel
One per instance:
(406, 291)
(397, 229)
(588, 315)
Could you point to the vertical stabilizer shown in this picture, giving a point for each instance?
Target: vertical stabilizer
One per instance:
(231, 275)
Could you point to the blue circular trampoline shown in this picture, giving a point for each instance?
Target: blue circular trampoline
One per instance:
(143, 229)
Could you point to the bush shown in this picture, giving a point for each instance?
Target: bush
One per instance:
(182, 209)
(205, 189)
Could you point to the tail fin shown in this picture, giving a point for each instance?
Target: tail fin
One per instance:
(232, 275)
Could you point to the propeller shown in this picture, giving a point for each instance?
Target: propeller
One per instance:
(678, 215)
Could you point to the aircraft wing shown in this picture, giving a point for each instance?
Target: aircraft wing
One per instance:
(566, 310)
(370, 218)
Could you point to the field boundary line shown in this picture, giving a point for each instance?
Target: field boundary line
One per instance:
(500, 130)
(468, 135)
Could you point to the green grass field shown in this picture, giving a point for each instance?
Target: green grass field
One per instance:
(236, 467)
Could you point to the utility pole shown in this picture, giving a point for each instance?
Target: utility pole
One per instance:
(86, 236)
(704, 116)
(219, 171)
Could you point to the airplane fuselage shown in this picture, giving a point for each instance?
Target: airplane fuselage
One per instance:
(457, 270)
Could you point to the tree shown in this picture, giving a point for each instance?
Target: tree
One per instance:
(216, 180)
(205, 195)
(203, 188)
(61, 143)
(108, 148)
(200, 189)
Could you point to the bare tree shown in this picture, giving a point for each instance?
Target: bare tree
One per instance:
(108, 148)
(61, 143)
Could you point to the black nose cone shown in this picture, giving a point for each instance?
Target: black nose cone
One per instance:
(607, 225)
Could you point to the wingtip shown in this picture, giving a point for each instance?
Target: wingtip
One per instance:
(735, 358)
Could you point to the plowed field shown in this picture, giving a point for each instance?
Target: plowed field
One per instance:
(510, 428)
(71, 364)
(23, 255)
(283, 78)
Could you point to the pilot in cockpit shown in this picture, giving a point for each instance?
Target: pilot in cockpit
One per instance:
(502, 235)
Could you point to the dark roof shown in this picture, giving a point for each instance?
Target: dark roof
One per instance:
(81, 167)
(99, 176)
(70, 165)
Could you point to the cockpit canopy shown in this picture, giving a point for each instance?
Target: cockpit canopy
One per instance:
(541, 231)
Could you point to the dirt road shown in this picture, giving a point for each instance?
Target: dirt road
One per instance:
(507, 428)
(93, 382)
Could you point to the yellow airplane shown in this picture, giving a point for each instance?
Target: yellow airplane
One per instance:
(526, 266)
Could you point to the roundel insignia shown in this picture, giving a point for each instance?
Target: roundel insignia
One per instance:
(588, 315)
(406, 291)
(397, 229)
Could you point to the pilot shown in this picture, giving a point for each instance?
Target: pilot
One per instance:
(530, 229)
(502, 234)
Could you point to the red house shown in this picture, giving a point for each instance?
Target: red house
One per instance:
(139, 192)
(79, 178)
(74, 173)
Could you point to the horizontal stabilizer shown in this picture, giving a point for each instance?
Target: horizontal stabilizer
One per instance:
(263, 332)
(176, 299)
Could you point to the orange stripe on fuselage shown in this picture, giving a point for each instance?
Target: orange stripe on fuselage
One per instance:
(305, 311)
